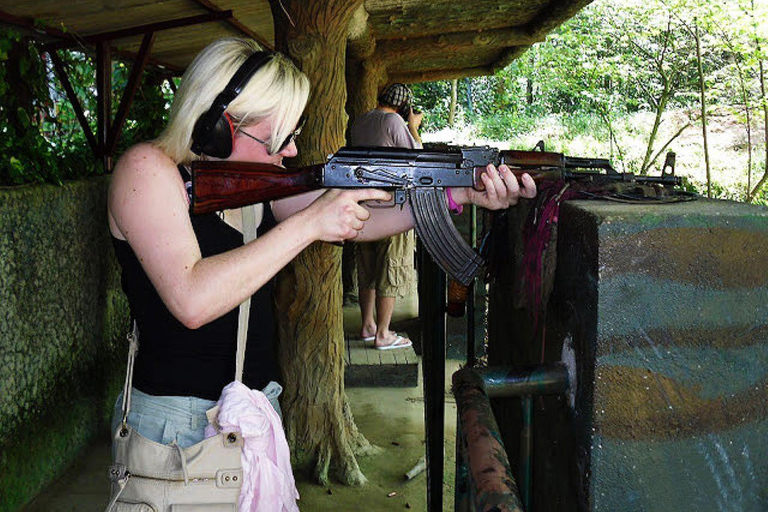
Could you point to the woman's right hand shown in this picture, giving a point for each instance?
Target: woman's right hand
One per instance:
(337, 214)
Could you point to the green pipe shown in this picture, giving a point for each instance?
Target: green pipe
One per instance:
(544, 379)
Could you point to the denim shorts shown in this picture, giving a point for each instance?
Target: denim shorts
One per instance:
(179, 419)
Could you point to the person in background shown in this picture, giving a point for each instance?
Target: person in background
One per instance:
(385, 267)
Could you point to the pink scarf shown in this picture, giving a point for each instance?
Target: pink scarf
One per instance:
(268, 484)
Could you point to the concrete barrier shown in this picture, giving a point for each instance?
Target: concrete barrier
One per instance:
(661, 311)
(63, 320)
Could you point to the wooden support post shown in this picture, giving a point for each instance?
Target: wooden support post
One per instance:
(58, 66)
(130, 90)
(104, 100)
(317, 417)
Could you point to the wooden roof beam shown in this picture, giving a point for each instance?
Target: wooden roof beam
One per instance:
(134, 80)
(434, 49)
(393, 49)
(508, 57)
(555, 15)
(234, 22)
(94, 39)
(30, 25)
(438, 74)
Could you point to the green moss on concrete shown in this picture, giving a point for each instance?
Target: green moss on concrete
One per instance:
(62, 328)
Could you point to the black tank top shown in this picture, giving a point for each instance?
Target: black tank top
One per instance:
(176, 361)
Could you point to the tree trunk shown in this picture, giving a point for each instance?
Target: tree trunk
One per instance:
(318, 421)
(529, 81)
(763, 103)
(703, 95)
(661, 106)
(470, 100)
(454, 100)
(364, 80)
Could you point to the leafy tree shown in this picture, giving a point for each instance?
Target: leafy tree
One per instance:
(42, 139)
(26, 154)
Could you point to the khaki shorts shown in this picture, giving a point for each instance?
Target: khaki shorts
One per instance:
(387, 265)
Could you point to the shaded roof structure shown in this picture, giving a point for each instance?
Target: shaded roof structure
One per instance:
(417, 40)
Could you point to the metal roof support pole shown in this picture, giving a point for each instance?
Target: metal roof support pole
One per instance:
(104, 100)
(134, 80)
(432, 297)
(58, 66)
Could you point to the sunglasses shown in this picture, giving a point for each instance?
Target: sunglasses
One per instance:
(290, 138)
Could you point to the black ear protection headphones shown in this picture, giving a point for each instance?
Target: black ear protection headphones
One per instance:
(214, 132)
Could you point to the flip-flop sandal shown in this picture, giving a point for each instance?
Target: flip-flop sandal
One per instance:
(368, 338)
(397, 344)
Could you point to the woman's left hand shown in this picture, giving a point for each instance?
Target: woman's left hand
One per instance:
(502, 189)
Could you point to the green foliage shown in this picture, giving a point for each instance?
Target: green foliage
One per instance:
(620, 80)
(42, 140)
(434, 98)
(25, 155)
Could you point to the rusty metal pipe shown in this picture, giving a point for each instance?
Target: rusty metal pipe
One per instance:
(493, 487)
(475, 386)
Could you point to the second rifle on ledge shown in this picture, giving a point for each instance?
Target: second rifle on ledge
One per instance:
(414, 176)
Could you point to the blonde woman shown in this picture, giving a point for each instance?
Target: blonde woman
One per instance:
(185, 275)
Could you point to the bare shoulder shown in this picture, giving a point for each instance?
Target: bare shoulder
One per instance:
(145, 165)
(144, 179)
(143, 158)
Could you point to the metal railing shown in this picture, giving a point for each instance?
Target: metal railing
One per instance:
(484, 480)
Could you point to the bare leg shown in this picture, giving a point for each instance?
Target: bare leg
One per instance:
(385, 306)
(367, 302)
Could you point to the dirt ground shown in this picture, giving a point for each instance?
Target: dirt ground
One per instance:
(393, 419)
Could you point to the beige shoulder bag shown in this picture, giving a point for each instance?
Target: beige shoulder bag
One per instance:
(152, 477)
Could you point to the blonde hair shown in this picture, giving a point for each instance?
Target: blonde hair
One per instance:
(277, 91)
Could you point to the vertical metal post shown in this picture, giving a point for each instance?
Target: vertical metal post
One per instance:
(433, 367)
(526, 450)
(471, 341)
(104, 100)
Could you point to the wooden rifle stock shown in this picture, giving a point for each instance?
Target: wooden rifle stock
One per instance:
(222, 185)
(532, 159)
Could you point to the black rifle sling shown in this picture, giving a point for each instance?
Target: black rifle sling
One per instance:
(440, 237)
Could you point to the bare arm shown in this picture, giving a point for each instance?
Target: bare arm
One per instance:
(148, 208)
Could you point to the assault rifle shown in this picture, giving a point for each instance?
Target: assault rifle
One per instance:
(418, 175)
